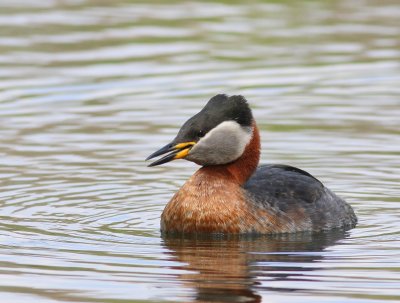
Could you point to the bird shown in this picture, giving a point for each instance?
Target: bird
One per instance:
(231, 193)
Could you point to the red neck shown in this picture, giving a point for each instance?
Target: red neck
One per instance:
(242, 168)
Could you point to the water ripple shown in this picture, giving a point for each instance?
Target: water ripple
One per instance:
(90, 88)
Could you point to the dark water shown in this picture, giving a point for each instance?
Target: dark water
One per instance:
(88, 89)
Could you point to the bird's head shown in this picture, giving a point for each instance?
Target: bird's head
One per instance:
(217, 135)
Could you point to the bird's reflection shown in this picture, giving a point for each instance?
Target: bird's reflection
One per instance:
(227, 269)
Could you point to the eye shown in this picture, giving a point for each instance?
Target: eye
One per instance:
(200, 134)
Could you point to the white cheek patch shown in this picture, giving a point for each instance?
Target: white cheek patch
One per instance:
(223, 144)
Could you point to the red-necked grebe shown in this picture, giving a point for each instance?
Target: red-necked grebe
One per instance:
(229, 194)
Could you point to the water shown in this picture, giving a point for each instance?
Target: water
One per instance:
(88, 89)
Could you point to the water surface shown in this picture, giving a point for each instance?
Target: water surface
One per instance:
(88, 89)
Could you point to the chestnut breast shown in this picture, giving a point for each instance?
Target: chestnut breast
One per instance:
(210, 202)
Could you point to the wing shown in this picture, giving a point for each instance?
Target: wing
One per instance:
(292, 190)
